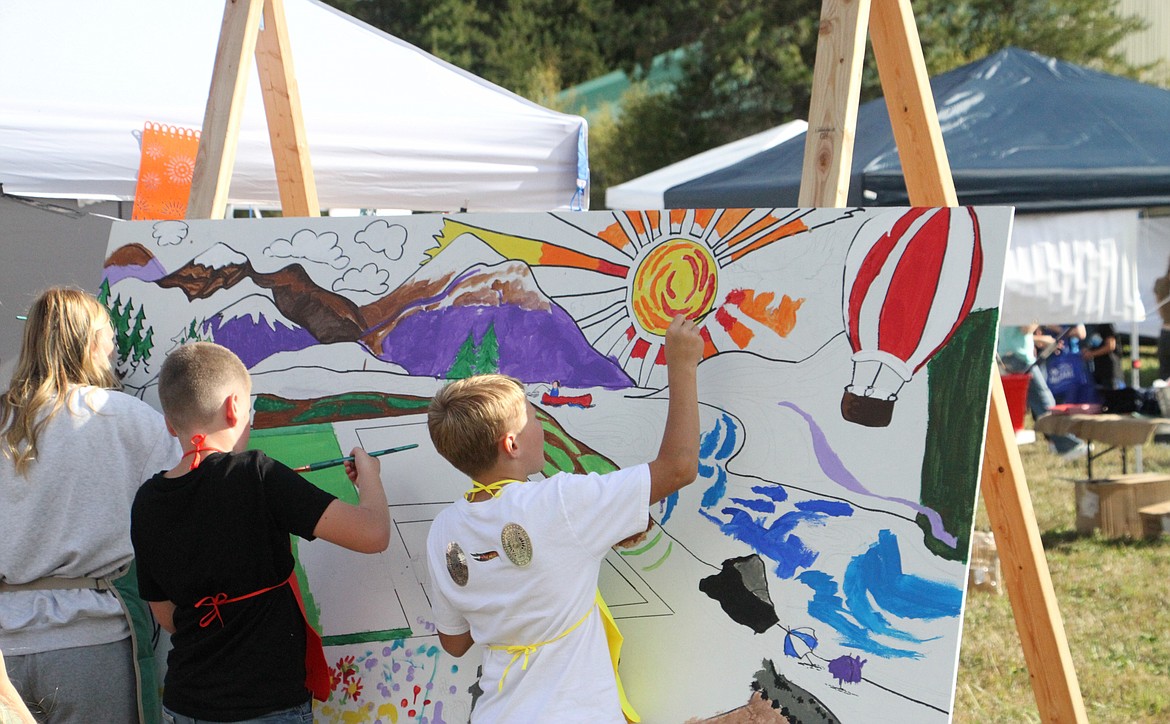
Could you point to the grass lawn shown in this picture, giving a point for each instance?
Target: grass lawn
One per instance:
(1112, 596)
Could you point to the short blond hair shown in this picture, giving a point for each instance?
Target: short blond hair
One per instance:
(194, 381)
(468, 418)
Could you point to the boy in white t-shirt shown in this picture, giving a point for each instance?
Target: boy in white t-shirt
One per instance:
(515, 566)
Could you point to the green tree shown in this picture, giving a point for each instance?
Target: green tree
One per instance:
(104, 293)
(487, 353)
(133, 339)
(464, 364)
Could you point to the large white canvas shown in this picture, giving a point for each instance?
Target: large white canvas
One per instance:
(816, 567)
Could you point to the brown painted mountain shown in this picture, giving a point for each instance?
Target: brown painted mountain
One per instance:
(485, 318)
(132, 261)
(327, 316)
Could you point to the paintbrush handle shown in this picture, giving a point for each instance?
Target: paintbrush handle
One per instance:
(349, 458)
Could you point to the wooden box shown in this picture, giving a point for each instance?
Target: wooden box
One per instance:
(984, 573)
(1113, 504)
(1155, 519)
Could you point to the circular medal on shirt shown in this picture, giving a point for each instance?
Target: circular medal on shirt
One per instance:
(456, 564)
(517, 544)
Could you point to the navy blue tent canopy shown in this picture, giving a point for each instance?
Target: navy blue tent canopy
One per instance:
(1020, 129)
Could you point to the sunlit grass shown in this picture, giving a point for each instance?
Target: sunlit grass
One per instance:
(1112, 597)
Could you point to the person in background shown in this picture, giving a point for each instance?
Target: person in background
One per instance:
(1100, 353)
(73, 452)
(1017, 355)
(1162, 299)
(1067, 374)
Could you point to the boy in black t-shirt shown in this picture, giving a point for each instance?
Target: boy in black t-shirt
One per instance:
(213, 555)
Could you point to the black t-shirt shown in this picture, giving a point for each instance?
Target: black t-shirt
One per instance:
(1107, 367)
(224, 528)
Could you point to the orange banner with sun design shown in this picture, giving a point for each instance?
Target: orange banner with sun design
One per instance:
(165, 172)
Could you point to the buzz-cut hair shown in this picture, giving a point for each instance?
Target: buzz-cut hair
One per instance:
(468, 418)
(194, 381)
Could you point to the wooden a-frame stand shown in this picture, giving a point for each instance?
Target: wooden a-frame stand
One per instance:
(844, 27)
(240, 37)
(828, 158)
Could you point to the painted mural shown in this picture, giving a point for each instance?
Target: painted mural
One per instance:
(814, 572)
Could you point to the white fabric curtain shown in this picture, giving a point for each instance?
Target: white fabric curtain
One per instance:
(1077, 267)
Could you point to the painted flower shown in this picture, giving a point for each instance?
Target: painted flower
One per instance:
(353, 689)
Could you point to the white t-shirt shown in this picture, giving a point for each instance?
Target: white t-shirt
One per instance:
(70, 518)
(571, 521)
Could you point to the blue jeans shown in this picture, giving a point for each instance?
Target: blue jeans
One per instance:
(302, 714)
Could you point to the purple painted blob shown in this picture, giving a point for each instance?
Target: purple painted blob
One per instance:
(149, 272)
(535, 346)
(255, 341)
(833, 467)
(847, 669)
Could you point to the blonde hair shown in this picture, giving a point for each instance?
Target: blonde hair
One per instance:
(194, 381)
(57, 352)
(468, 418)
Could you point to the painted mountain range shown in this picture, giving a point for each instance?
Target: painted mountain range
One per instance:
(420, 326)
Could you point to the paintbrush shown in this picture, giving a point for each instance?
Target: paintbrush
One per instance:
(348, 458)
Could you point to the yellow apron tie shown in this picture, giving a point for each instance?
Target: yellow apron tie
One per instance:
(492, 489)
(518, 650)
(613, 639)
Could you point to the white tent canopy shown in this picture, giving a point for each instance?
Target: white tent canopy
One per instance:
(1074, 267)
(388, 125)
(645, 192)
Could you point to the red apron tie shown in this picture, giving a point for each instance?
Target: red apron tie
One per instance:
(316, 670)
(197, 441)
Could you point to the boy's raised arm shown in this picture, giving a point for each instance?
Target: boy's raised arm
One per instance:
(677, 463)
(364, 527)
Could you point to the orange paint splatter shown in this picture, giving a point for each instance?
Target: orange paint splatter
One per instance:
(780, 318)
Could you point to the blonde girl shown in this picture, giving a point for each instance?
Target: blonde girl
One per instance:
(73, 452)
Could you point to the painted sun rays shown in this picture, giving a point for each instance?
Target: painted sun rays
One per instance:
(662, 263)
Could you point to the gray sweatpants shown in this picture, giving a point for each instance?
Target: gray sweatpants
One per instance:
(79, 685)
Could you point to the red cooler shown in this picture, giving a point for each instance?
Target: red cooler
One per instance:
(1015, 389)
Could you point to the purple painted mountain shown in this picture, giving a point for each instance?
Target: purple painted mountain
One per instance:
(133, 261)
(431, 316)
(254, 329)
(419, 326)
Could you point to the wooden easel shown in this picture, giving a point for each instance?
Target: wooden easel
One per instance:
(241, 37)
(828, 159)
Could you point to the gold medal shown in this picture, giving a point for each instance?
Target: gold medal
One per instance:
(456, 564)
(517, 544)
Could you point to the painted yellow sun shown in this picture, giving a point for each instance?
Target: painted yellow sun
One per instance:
(676, 277)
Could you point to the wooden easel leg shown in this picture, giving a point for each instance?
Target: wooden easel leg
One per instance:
(828, 157)
(225, 106)
(1025, 570)
(282, 107)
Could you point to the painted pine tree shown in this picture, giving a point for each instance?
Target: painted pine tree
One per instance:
(464, 364)
(487, 354)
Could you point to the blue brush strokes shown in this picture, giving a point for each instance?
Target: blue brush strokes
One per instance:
(760, 506)
(775, 492)
(877, 575)
(835, 508)
(774, 540)
(671, 502)
(715, 447)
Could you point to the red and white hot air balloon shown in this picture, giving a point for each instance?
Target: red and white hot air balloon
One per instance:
(907, 287)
